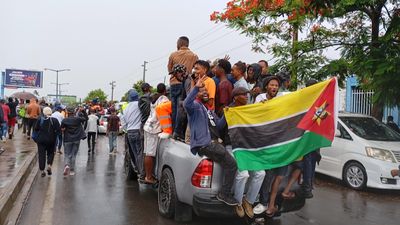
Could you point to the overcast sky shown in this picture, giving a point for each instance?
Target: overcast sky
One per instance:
(106, 40)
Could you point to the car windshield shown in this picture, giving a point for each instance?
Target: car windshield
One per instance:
(370, 129)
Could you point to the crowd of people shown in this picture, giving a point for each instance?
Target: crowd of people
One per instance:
(191, 111)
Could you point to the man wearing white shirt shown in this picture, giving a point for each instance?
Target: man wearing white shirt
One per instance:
(57, 114)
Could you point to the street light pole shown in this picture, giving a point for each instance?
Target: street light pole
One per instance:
(57, 71)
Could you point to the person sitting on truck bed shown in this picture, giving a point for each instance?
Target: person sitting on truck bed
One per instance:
(203, 133)
(253, 179)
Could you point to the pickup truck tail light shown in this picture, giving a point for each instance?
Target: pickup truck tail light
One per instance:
(202, 176)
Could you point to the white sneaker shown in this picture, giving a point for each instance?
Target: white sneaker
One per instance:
(260, 208)
(72, 173)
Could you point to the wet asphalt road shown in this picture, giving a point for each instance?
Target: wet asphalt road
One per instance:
(99, 194)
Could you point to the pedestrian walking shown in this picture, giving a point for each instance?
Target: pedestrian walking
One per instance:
(113, 130)
(60, 117)
(47, 130)
(73, 134)
(4, 124)
(12, 118)
(32, 113)
(92, 123)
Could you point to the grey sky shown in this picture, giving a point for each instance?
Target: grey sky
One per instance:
(105, 40)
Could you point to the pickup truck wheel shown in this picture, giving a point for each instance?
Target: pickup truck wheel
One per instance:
(355, 176)
(129, 171)
(167, 194)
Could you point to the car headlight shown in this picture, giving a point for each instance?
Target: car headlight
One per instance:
(380, 154)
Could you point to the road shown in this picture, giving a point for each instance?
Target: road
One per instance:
(99, 194)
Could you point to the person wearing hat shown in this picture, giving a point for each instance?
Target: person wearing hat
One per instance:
(179, 72)
(252, 179)
(271, 88)
(59, 116)
(48, 129)
(73, 134)
(131, 122)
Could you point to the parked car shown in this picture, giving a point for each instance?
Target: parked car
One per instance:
(189, 183)
(363, 153)
(102, 128)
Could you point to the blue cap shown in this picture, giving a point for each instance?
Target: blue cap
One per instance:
(133, 95)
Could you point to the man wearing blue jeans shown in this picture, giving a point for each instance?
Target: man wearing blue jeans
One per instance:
(131, 121)
(112, 131)
(73, 133)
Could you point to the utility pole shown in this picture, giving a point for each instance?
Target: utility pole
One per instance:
(58, 89)
(112, 89)
(144, 71)
(57, 71)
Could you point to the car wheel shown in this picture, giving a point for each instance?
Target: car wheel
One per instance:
(355, 176)
(129, 171)
(167, 194)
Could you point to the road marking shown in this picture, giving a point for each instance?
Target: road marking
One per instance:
(47, 213)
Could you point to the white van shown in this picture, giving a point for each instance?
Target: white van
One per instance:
(363, 153)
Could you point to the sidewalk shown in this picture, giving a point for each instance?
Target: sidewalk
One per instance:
(16, 164)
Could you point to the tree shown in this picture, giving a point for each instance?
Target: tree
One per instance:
(96, 94)
(138, 87)
(367, 32)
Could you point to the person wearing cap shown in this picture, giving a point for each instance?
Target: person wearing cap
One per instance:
(59, 116)
(252, 179)
(48, 129)
(205, 139)
(179, 72)
(131, 121)
(73, 134)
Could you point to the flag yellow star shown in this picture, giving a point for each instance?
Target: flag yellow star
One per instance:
(320, 113)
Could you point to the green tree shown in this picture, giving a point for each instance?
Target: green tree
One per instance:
(97, 93)
(367, 32)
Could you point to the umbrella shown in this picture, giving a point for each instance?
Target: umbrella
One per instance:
(23, 95)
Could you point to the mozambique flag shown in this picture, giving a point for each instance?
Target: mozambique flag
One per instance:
(281, 130)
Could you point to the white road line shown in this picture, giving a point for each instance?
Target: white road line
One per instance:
(47, 213)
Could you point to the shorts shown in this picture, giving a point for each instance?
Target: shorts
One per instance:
(150, 144)
(280, 171)
(12, 121)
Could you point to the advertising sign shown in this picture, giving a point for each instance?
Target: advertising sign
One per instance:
(23, 78)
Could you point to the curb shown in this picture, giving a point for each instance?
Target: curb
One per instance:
(14, 188)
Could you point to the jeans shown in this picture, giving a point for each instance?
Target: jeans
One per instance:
(91, 139)
(176, 92)
(70, 152)
(256, 180)
(135, 150)
(309, 162)
(217, 153)
(43, 151)
(59, 141)
(4, 130)
(24, 124)
(112, 140)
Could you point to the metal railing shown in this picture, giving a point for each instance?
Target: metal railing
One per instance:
(361, 101)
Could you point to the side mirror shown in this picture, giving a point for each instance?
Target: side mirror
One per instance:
(338, 133)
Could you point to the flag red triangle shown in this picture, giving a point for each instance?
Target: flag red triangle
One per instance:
(320, 117)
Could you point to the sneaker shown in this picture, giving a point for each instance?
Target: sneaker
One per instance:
(229, 200)
(115, 151)
(29, 138)
(43, 174)
(59, 151)
(111, 153)
(72, 173)
(248, 208)
(49, 171)
(4, 139)
(239, 211)
(66, 170)
(260, 208)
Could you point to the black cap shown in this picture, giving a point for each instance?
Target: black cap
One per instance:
(145, 86)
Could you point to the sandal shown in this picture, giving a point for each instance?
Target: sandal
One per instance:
(151, 181)
(272, 213)
(289, 195)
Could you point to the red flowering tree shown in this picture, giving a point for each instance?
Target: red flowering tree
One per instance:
(297, 32)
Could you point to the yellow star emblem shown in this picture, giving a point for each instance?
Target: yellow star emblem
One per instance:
(320, 113)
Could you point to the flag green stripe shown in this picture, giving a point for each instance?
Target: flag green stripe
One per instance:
(281, 155)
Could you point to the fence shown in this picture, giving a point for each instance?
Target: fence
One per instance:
(361, 101)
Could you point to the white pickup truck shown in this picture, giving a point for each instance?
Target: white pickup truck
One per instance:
(189, 183)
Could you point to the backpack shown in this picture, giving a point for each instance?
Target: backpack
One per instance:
(35, 133)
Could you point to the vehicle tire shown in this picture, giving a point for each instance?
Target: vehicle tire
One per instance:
(129, 171)
(167, 198)
(355, 176)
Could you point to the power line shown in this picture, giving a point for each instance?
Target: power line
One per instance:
(232, 49)
(216, 39)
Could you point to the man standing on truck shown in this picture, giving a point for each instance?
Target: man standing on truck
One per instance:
(204, 138)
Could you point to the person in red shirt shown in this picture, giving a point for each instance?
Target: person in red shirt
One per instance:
(113, 130)
(224, 89)
(4, 125)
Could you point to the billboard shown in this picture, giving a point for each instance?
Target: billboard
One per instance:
(64, 99)
(23, 78)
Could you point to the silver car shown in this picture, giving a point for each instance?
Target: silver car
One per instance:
(190, 183)
(102, 127)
